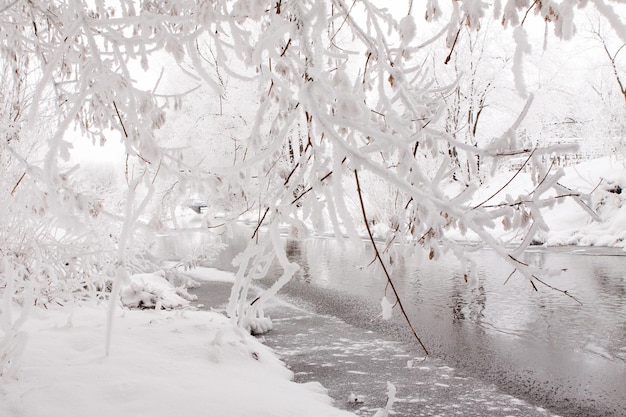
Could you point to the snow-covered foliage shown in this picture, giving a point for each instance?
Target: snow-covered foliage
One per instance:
(343, 101)
(153, 290)
(346, 97)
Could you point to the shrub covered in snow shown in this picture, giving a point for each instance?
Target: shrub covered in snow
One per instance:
(153, 290)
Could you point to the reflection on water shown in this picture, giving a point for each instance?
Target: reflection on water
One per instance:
(438, 289)
(541, 343)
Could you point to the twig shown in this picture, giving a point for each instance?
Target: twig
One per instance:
(344, 21)
(308, 190)
(258, 226)
(293, 170)
(17, 184)
(513, 153)
(509, 181)
(157, 172)
(545, 177)
(533, 276)
(556, 289)
(121, 121)
(528, 11)
(369, 55)
(596, 187)
(521, 202)
(518, 261)
(452, 48)
(286, 47)
(382, 263)
(509, 277)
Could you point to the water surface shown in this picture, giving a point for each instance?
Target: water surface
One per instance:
(540, 345)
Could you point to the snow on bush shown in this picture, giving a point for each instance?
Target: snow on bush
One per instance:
(153, 290)
(603, 180)
(258, 324)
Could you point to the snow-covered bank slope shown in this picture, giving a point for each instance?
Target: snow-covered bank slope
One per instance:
(568, 221)
(605, 179)
(162, 363)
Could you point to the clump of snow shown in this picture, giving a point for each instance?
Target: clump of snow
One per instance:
(257, 325)
(407, 29)
(387, 308)
(570, 224)
(522, 47)
(153, 290)
(162, 364)
(380, 230)
(391, 399)
(355, 398)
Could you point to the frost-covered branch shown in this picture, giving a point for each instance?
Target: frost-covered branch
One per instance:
(341, 87)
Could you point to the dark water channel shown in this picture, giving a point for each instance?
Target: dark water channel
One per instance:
(538, 345)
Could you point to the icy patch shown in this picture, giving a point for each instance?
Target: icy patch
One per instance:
(598, 350)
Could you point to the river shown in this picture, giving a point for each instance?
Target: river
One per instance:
(541, 346)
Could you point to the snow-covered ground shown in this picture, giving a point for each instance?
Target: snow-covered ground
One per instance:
(161, 363)
(569, 221)
(570, 224)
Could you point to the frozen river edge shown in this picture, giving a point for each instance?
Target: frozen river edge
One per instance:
(355, 365)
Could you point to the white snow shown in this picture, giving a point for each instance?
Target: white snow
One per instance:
(387, 308)
(152, 290)
(568, 222)
(162, 363)
(391, 398)
(571, 225)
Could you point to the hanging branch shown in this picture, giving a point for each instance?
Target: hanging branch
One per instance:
(535, 277)
(565, 292)
(382, 263)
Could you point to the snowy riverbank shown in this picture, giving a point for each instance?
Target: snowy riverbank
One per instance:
(599, 220)
(161, 363)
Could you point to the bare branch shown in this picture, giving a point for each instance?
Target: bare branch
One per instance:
(508, 182)
(382, 263)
